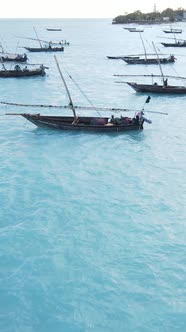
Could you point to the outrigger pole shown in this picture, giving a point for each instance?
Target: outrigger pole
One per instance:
(41, 40)
(151, 75)
(79, 107)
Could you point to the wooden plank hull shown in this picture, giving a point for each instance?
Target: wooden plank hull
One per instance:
(123, 57)
(173, 31)
(45, 49)
(88, 124)
(14, 58)
(115, 57)
(21, 73)
(152, 61)
(149, 88)
(48, 29)
(179, 44)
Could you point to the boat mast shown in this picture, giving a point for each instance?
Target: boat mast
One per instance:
(143, 46)
(37, 37)
(68, 93)
(163, 79)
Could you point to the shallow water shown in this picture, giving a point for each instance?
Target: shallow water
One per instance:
(92, 226)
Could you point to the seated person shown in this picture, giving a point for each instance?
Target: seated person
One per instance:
(17, 67)
(110, 120)
(114, 120)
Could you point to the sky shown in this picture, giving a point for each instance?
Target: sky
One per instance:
(81, 8)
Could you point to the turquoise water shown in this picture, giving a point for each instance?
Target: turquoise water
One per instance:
(92, 226)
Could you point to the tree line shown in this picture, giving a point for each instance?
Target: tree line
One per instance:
(138, 16)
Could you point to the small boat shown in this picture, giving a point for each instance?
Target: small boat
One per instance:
(128, 28)
(147, 58)
(53, 29)
(19, 72)
(134, 29)
(154, 87)
(122, 57)
(45, 49)
(90, 124)
(84, 123)
(149, 61)
(176, 44)
(173, 31)
(6, 57)
(115, 57)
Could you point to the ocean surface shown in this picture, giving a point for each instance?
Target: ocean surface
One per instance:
(92, 226)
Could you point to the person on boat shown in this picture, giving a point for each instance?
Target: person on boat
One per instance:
(111, 120)
(25, 69)
(165, 82)
(17, 68)
(42, 70)
(139, 118)
(24, 57)
(172, 58)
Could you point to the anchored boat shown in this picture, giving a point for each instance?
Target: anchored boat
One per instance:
(84, 123)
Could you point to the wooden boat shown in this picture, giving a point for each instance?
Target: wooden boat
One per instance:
(115, 57)
(149, 61)
(176, 44)
(53, 29)
(45, 49)
(6, 57)
(134, 29)
(83, 123)
(173, 31)
(90, 124)
(147, 58)
(122, 57)
(157, 88)
(25, 72)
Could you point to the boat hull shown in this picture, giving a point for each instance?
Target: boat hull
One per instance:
(88, 124)
(115, 57)
(174, 44)
(123, 57)
(149, 88)
(13, 58)
(48, 29)
(131, 61)
(45, 49)
(172, 31)
(21, 73)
